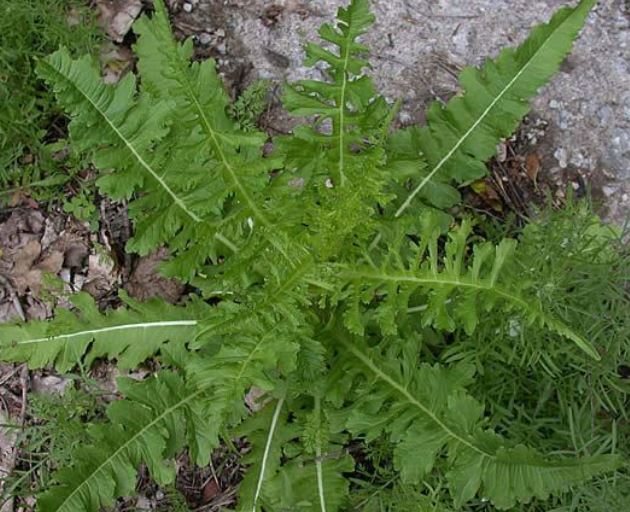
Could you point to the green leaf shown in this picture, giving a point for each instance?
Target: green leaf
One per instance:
(123, 125)
(452, 292)
(346, 99)
(267, 431)
(460, 137)
(230, 160)
(150, 426)
(426, 410)
(339, 158)
(201, 177)
(295, 486)
(130, 335)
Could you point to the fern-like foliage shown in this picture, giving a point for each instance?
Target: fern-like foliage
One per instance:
(231, 163)
(339, 156)
(446, 291)
(200, 176)
(348, 102)
(124, 128)
(461, 136)
(130, 335)
(157, 418)
(425, 410)
(345, 315)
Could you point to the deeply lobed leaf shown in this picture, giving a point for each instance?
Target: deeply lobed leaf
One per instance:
(151, 425)
(461, 136)
(446, 292)
(426, 411)
(130, 334)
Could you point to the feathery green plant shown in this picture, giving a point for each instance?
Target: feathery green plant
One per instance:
(56, 427)
(339, 292)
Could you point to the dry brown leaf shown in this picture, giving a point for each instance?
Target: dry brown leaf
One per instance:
(146, 281)
(117, 16)
(532, 166)
(116, 61)
(102, 275)
(488, 194)
(25, 277)
(52, 263)
(210, 491)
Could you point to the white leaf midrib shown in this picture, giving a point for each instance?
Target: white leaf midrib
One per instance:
(176, 199)
(267, 451)
(122, 327)
(481, 118)
(109, 460)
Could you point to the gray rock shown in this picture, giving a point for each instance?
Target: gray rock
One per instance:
(404, 117)
(608, 190)
(561, 156)
(204, 38)
(50, 384)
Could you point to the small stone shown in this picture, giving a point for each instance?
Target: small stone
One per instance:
(329, 183)
(144, 503)
(65, 275)
(608, 191)
(501, 152)
(562, 156)
(187, 7)
(219, 32)
(78, 282)
(404, 116)
(204, 38)
(222, 48)
(579, 160)
(553, 104)
(50, 384)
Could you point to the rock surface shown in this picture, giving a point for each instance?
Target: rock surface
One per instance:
(418, 46)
